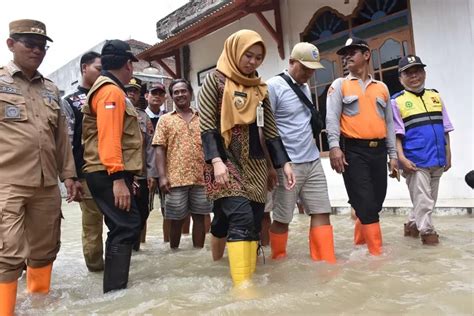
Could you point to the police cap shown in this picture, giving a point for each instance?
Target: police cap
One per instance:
(26, 26)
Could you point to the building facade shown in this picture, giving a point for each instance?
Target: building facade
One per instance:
(440, 32)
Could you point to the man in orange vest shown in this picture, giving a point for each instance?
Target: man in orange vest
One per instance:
(359, 123)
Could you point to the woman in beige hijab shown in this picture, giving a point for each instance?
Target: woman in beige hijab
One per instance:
(234, 106)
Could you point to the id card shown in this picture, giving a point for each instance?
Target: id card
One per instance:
(260, 114)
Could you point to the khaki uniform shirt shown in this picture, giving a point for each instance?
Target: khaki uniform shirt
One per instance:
(33, 128)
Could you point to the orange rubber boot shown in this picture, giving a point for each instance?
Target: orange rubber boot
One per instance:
(278, 244)
(358, 236)
(321, 243)
(38, 280)
(373, 237)
(8, 298)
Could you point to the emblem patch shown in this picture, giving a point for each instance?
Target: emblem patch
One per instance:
(409, 104)
(12, 112)
(239, 102)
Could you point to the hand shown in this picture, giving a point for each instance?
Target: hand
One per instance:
(164, 185)
(79, 191)
(289, 175)
(221, 173)
(448, 161)
(393, 169)
(151, 185)
(121, 195)
(71, 188)
(272, 179)
(338, 159)
(407, 165)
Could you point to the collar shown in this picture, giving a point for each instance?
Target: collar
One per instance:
(111, 76)
(418, 94)
(352, 77)
(152, 114)
(13, 69)
(293, 80)
(192, 110)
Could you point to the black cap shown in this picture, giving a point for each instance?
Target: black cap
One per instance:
(134, 83)
(117, 48)
(409, 61)
(156, 86)
(353, 42)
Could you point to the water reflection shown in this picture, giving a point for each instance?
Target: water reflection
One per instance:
(407, 279)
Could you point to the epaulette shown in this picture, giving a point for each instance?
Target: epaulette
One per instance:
(397, 94)
(433, 90)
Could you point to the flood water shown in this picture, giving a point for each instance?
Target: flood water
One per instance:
(408, 278)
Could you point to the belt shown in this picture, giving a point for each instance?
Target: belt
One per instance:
(371, 143)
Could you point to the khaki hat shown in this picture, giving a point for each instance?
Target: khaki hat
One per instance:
(307, 54)
(134, 83)
(28, 27)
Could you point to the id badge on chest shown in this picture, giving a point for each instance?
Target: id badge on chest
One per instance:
(260, 116)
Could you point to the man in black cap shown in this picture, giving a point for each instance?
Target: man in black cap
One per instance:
(422, 127)
(359, 123)
(146, 182)
(113, 155)
(34, 152)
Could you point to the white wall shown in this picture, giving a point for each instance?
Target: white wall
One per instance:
(443, 38)
(442, 30)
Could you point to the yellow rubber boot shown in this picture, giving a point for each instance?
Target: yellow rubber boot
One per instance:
(358, 236)
(8, 298)
(321, 244)
(278, 244)
(253, 256)
(38, 280)
(373, 237)
(239, 261)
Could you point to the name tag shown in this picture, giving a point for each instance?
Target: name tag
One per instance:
(260, 117)
(12, 112)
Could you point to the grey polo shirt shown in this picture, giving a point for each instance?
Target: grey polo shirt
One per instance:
(293, 120)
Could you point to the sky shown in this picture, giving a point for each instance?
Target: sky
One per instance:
(77, 26)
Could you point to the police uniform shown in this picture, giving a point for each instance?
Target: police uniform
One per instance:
(92, 218)
(34, 151)
(107, 109)
(149, 170)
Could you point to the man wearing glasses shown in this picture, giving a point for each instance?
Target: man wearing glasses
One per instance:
(360, 130)
(34, 151)
(113, 156)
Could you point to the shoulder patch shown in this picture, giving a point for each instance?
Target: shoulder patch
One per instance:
(397, 94)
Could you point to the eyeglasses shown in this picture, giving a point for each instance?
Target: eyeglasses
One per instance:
(32, 44)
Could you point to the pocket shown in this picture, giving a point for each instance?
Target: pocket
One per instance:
(350, 105)
(381, 105)
(12, 108)
(53, 111)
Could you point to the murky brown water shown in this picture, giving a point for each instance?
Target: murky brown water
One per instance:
(407, 279)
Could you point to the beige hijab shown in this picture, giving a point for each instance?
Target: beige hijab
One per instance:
(242, 93)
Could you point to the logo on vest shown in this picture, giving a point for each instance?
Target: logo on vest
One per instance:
(409, 104)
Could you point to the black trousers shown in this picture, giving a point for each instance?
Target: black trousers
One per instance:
(237, 218)
(365, 179)
(124, 227)
(143, 198)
